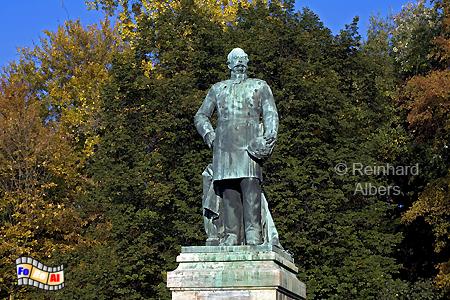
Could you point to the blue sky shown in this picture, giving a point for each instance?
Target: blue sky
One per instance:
(22, 22)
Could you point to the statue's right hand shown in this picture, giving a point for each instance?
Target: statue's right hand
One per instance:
(209, 139)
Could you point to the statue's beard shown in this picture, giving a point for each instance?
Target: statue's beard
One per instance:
(239, 73)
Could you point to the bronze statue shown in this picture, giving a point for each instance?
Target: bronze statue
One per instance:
(245, 135)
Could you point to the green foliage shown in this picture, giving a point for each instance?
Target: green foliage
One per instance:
(37, 184)
(332, 107)
(136, 159)
(418, 41)
(330, 111)
(414, 28)
(49, 102)
(146, 169)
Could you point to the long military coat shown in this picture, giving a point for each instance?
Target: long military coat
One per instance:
(245, 110)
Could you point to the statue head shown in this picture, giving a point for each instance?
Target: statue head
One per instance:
(237, 61)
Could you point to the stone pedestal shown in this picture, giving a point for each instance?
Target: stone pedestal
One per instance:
(262, 272)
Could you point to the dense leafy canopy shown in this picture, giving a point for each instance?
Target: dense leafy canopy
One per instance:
(108, 162)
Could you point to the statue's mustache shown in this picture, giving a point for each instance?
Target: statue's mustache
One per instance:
(240, 66)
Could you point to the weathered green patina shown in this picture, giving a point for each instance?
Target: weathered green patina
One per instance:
(245, 135)
(246, 112)
(240, 272)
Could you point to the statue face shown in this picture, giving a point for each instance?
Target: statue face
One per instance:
(237, 61)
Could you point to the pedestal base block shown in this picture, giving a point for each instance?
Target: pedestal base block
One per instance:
(262, 272)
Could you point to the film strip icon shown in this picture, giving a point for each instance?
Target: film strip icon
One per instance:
(32, 272)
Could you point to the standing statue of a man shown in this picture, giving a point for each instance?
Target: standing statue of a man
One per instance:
(247, 125)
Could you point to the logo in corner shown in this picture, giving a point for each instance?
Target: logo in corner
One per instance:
(33, 273)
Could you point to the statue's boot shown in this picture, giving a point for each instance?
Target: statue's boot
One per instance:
(230, 240)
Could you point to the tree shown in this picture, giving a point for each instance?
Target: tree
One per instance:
(427, 101)
(416, 41)
(50, 100)
(38, 217)
(412, 35)
(67, 71)
(132, 14)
